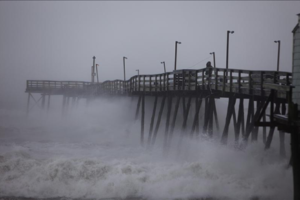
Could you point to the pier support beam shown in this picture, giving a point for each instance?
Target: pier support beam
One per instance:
(186, 114)
(215, 114)
(206, 110)
(143, 119)
(138, 107)
(64, 105)
(282, 135)
(196, 117)
(254, 134)
(43, 101)
(175, 116)
(48, 104)
(170, 98)
(162, 105)
(240, 126)
(249, 122)
(152, 120)
(230, 109)
(28, 103)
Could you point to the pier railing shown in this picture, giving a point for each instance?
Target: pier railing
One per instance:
(57, 87)
(238, 81)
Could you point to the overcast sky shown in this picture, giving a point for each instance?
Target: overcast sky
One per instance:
(53, 40)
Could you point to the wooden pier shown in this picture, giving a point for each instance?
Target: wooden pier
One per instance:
(187, 87)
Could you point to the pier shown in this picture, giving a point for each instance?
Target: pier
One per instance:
(263, 90)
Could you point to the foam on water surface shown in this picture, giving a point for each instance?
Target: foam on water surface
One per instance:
(88, 156)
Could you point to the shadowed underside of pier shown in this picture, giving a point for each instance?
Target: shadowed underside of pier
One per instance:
(192, 89)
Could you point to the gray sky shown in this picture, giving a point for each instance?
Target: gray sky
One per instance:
(56, 40)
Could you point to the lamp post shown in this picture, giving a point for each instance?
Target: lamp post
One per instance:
(176, 54)
(97, 73)
(213, 53)
(164, 65)
(227, 51)
(138, 71)
(124, 67)
(93, 69)
(278, 55)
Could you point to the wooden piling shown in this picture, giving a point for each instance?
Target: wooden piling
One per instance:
(28, 103)
(270, 137)
(143, 119)
(152, 119)
(241, 120)
(64, 105)
(158, 119)
(254, 134)
(249, 117)
(168, 118)
(230, 108)
(186, 114)
(235, 127)
(215, 114)
(48, 105)
(138, 107)
(206, 114)
(183, 105)
(196, 117)
(43, 101)
(282, 135)
(175, 116)
(210, 117)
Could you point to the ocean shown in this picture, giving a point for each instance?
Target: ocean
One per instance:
(94, 152)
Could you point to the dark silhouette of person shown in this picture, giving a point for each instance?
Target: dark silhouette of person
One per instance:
(208, 70)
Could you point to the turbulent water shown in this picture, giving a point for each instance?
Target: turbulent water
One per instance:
(94, 152)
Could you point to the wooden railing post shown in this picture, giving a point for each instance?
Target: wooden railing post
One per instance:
(224, 79)
(150, 80)
(216, 79)
(160, 84)
(203, 80)
(164, 75)
(196, 79)
(139, 87)
(230, 86)
(262, 83)
(174, 81)
(250, 82)
(183, 80)
(155, 84)
(239, 81)
(167, 77)
(189, 83)
(144, 83)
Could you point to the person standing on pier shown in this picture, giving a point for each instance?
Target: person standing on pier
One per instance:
(208, 73)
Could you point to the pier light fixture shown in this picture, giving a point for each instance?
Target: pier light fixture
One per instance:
(278, 53)
(163, 62)
(176, 42)
(227, 51)
(124, 67)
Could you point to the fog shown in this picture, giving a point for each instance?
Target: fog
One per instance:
(94, 150)
(56, 40)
